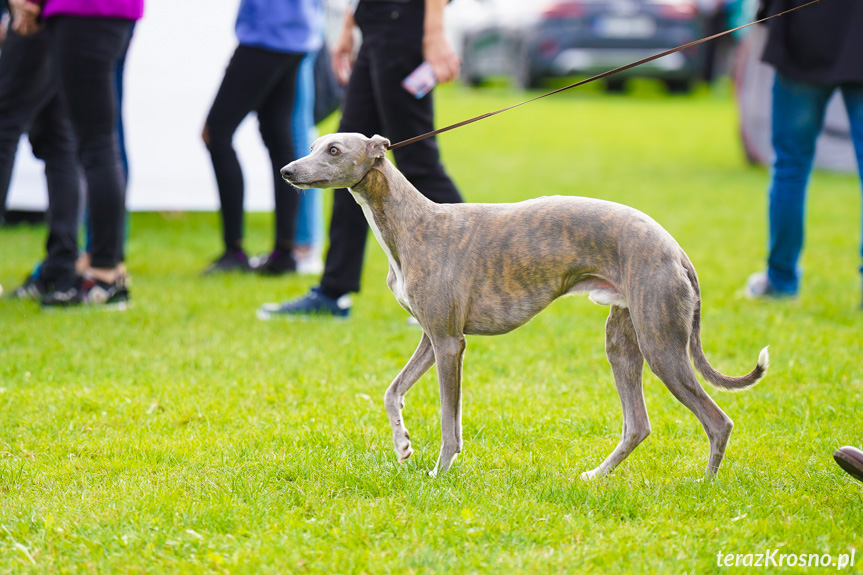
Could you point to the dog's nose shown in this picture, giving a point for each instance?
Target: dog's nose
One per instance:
(287, 172)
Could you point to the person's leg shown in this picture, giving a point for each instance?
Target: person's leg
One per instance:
(86, 52)
(348, 227)
(53, 142)
(119, 75)
(26, 84)
(275, 115)
(309, 233)
(124, 159)
(233, 102)
(250, 80)
(28, 93)
(853, 96)
(798, 116)
(121, 131)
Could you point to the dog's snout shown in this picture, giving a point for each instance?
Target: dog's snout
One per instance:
(287, 172)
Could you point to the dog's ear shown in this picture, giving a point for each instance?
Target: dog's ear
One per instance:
(377, 146)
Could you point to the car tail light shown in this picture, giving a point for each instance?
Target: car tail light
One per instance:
(548, 47)
(677, 10)
(563, 10)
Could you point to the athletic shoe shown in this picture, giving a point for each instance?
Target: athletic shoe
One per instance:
(313, 304)
(851, 460)
(33, 288)
(230, 261)
(89, 291)
(275, 263)
(311, 264)
(758, 286)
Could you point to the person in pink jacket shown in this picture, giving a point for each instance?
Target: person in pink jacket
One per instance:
(88, 38)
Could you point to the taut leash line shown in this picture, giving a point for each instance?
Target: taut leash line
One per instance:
(594, 78)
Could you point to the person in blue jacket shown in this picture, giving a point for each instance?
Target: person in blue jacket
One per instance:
(274, 37)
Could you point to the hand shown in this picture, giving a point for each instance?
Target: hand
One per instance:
(438, 52)
(342, 52)
(25, 17)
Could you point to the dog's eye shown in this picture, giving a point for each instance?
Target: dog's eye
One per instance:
(334, 151)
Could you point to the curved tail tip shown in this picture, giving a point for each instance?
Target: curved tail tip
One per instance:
(764, 358)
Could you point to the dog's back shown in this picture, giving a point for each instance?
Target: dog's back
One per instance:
(504, 263)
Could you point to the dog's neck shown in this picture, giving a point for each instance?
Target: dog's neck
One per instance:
(391, 204)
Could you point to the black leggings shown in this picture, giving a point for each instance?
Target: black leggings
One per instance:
(29, 96)
(86, 53)
(263, 81)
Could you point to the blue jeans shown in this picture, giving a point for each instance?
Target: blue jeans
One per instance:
(310, 214)
(798, 116)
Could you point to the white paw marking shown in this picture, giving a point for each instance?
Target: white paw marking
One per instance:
(440, 469)
(404, 452)
(592, 474)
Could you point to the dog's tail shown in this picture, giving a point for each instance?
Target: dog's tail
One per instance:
(712, 375)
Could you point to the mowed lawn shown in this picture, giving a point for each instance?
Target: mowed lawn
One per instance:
(184, 435)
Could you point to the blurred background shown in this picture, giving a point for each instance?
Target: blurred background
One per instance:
(180, 50)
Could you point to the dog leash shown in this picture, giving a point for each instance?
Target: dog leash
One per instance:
(594, 78)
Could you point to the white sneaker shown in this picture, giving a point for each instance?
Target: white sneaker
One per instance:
(310, 264)
(758, 286)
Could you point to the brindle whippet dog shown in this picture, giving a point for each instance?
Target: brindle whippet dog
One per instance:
(487, 269)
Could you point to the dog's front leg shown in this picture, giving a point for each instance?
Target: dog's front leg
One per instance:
(449, 353)
(394, 398)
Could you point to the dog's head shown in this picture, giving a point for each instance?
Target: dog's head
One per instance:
(336, 161)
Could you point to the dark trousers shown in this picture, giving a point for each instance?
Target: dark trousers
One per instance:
(376, 103)
(87, 52)
(263, 81)
(119, 75)
(30, 102)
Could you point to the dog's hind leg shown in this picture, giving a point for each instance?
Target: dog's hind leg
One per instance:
(449, 354)
(627, 363)
(394, 398)
(668, 358)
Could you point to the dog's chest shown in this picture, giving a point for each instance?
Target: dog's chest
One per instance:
(397, 284)
(396, 281)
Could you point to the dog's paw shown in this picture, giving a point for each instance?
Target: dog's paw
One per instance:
(404, 450)
(443, 464)
(592, 474)
(405, 454)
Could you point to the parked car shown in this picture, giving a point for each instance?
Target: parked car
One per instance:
(587, 37)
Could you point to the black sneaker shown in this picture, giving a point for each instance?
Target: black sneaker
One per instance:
(33, 288)
(63, 293)
(275, 263)
(230, 261)
(313, 304)
(89, 291)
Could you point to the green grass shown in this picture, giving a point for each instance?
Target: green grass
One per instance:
(186, 436)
